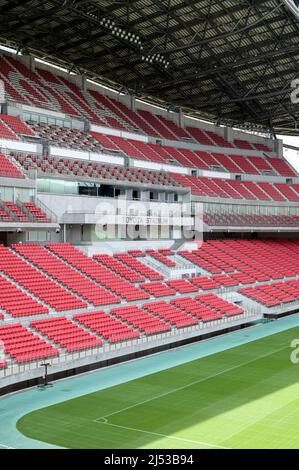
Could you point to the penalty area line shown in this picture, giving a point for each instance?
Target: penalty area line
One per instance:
(103, 419)
(152, 433)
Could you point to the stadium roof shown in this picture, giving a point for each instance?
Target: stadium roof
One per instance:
(231, 61)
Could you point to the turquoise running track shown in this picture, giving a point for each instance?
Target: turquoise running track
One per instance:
(14, 406)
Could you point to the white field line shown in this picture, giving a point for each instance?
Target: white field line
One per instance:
(207, 444)
(103, 419)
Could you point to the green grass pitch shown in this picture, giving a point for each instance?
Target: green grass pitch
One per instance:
(245, 397)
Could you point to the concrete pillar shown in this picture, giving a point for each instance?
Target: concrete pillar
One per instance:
(144, 195)
(29, 61)
(83, 83)
(86, 126)
(132, 103)
(181, 118)
(228, 134)
(278, 147)
(79, 80)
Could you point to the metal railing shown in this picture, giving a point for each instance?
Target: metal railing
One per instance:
(65, 360)
(46, 210)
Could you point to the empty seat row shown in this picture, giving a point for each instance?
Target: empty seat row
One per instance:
(66, 334)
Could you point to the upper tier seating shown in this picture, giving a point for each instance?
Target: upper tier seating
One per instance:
(202, 186)
(262, 147)
(214, 219)
(64, 137)
(35, 212)
(159, 128)
(200, 136)
(282, 167)
(137, 253)
(243, 144)
(220, 188)
(45, 89)
(179, 132)
(66, 334)
(24, 346)
(16, 125)
(88, 169)
(5, 132)
(218, 139)
(23, 212)
(96, 142)
(8, 169)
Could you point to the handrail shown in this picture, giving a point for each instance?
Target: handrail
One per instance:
(46, 209)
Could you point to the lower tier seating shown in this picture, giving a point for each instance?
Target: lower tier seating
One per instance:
(24, 346)
(220, 305)
(181, 285)
(239, 265)
(66, 334)
(38, 284)
(66, 275)
(98, 273)
(17, 303)
(256, 259)
(106, 326)
(140, 319)
(197, 309)
(158, 289)
(171, 314)
(274, 294)
(119, 268)
(138, 266)
(161, 258)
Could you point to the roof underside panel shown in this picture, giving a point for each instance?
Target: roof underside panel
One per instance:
(230, 61)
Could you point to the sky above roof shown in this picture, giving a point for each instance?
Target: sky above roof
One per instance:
(291, 155)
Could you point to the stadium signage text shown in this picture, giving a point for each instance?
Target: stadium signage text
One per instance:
(144, 220)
